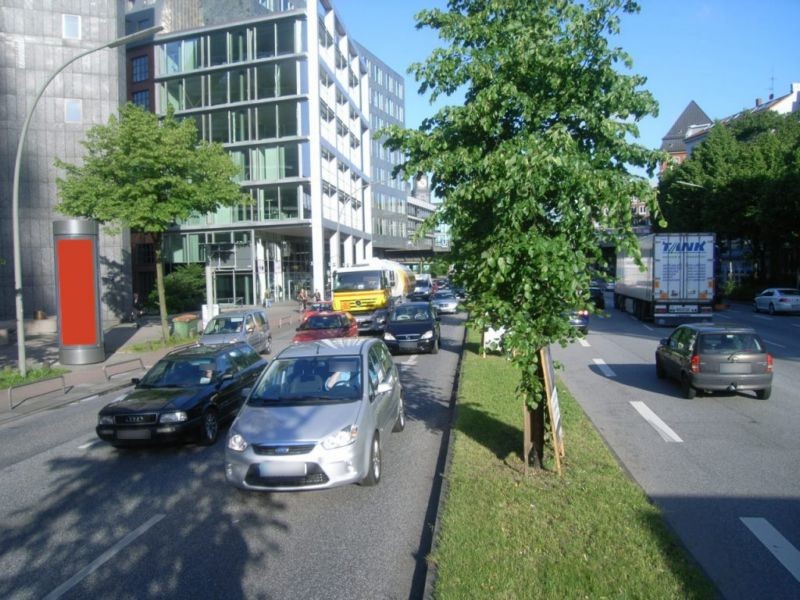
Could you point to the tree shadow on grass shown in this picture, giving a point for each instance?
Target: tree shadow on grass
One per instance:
(496, 436)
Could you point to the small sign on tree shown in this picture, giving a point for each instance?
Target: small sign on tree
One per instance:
(534, 418)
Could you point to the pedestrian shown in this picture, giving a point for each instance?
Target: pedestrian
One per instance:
(303, 298)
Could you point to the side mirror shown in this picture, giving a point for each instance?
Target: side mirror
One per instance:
(246, 392)
(383, 388)
(663, 342)
(135, 380)
(226, 377)
(251, 329)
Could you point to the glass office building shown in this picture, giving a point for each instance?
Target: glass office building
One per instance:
(286, 93)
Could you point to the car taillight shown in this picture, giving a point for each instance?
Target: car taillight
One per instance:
(695, 365)
(770, 362)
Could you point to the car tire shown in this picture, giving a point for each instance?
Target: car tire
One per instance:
(400, 423)
(209, 428)
(771, 309)
(660, 373)
(373, 476)
(686, 387)
(764, 394)
(435, 347)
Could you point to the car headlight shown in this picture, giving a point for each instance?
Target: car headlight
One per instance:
(427, 335)
(174, 417)
(388, 336)
(237, 443)
(105, 420)
(341, 438)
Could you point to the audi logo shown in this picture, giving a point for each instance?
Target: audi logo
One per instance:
(135, 419)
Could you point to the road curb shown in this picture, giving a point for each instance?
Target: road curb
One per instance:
(441, 483)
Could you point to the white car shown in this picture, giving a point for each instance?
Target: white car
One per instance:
(445, 302)
(777, 300)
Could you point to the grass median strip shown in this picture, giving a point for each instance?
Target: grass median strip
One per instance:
(589, 533)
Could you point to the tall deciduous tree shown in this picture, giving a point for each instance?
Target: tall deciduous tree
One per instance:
(532, 169)
(742, 182)
(147, 174)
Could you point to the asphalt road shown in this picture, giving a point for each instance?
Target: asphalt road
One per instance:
(723, 468)
(79, 519)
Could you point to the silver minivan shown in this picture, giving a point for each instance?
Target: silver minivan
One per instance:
(318, 417)
(241, 325)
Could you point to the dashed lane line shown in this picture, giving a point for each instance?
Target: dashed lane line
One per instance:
(664, 430)
(102, 559)
(584, 342)
(771, 343)
(604, 368)
(779, 546)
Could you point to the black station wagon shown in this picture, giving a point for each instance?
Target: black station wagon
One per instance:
(186, 393)
(710, 357)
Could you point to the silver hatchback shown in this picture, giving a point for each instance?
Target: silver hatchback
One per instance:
(242, 325)
(317, 418)
(711, 357)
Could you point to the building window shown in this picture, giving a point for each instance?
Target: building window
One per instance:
(139, 69)
(73, 111)
(71, 27)
(141, 98)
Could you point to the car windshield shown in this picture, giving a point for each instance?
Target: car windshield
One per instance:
(317, 379)
(179, 372)
(321, 322)
(443, 296)
(224, 325)
(411, 313)
(727, 343)
(358, 280)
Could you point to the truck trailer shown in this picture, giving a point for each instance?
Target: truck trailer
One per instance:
(677, 283)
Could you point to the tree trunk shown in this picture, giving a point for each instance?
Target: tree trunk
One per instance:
(162, 299)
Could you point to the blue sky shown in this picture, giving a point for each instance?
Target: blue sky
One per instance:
(723, 54)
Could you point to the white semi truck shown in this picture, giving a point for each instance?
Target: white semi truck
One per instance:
(677, 283)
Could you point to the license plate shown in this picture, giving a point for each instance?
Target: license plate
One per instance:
(282, 469)
(683, 308)
(133, 434)
(737, 368)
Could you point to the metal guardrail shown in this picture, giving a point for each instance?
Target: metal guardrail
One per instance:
(11, 404)
(124, 362)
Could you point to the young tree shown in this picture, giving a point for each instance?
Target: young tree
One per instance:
(533, 168)
(146, 174)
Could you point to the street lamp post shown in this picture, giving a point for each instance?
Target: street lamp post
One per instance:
(23, 369)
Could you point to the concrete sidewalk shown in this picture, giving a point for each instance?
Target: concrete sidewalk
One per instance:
(114, 373)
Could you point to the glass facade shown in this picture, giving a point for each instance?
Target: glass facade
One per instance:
(248, 86)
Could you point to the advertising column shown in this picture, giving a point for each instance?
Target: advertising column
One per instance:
(80, 332)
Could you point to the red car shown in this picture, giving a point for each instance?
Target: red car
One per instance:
(326, 324)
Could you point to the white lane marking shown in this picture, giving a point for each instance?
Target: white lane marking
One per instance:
(412, 360)
(102, 559)
(604, 368)
(89, 398)
(780, 547)
(583, 342)
(647, 327)
(88, 445)
(771, 343)
(664, 430)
